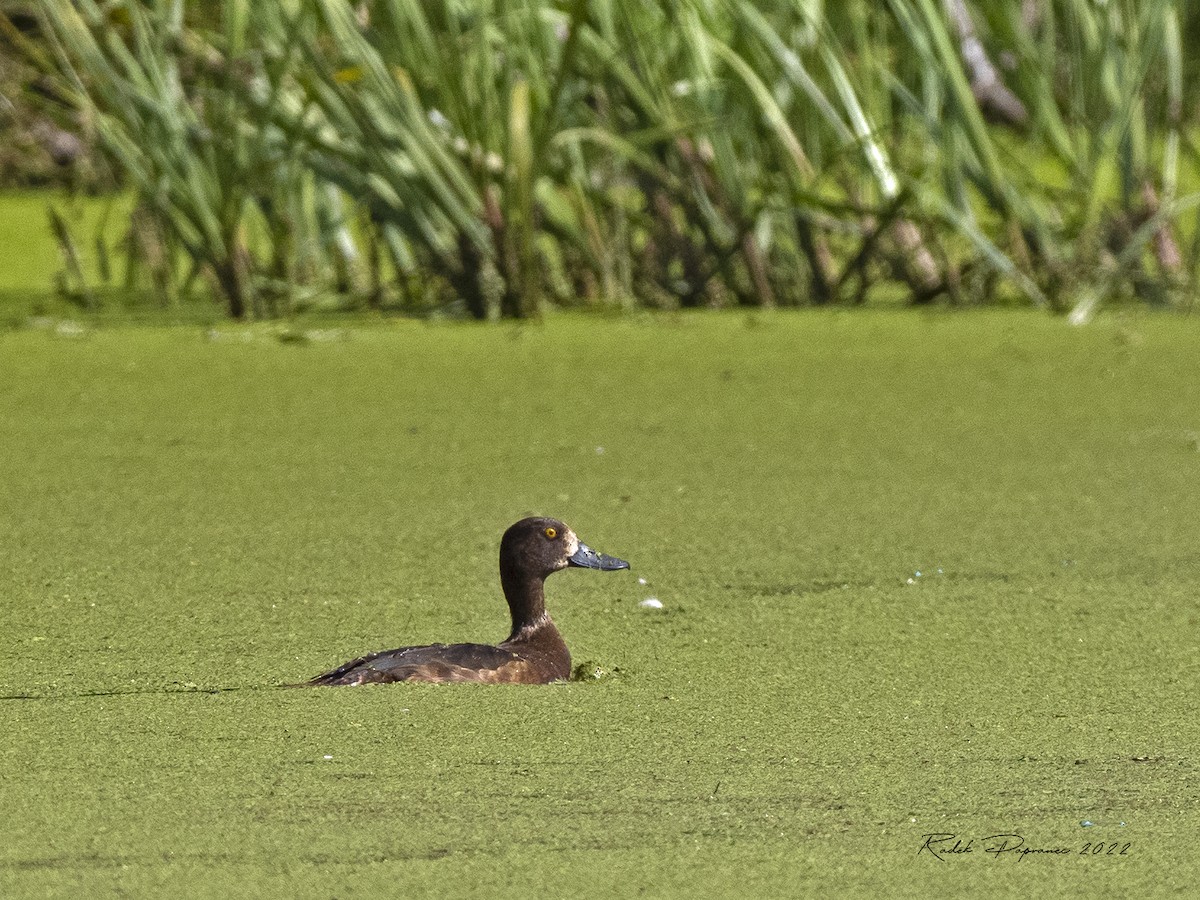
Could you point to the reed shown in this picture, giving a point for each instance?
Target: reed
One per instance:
(506, 154)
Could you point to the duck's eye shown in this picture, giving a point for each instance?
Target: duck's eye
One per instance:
(551, 533)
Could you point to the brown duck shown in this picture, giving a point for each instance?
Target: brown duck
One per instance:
(534, 652)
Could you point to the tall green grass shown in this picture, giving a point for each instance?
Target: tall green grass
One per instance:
(505, 154)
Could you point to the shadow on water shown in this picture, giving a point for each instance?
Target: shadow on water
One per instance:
(156, 692)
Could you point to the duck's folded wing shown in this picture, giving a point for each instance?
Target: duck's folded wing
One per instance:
(433, 663)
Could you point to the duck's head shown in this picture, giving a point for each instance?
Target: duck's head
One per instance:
(539, 546)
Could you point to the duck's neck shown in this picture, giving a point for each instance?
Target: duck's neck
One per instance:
(526, 602)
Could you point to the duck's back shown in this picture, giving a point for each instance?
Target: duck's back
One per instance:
(437, 663)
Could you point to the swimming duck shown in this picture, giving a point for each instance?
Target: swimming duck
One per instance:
(534, 653)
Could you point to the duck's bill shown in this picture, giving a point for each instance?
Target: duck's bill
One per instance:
(587, 558)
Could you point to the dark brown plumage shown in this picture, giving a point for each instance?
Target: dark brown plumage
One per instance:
(533, 653)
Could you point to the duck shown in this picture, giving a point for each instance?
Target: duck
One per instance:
(533, 653)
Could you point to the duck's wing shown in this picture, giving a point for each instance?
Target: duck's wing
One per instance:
(481, 663)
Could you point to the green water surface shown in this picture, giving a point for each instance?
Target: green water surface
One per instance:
(189, 519)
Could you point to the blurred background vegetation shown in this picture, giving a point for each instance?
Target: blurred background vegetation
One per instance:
(492, 157)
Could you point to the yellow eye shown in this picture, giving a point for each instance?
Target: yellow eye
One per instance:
(551, 533)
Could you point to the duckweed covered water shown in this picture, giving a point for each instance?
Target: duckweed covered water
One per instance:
(189, 521)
